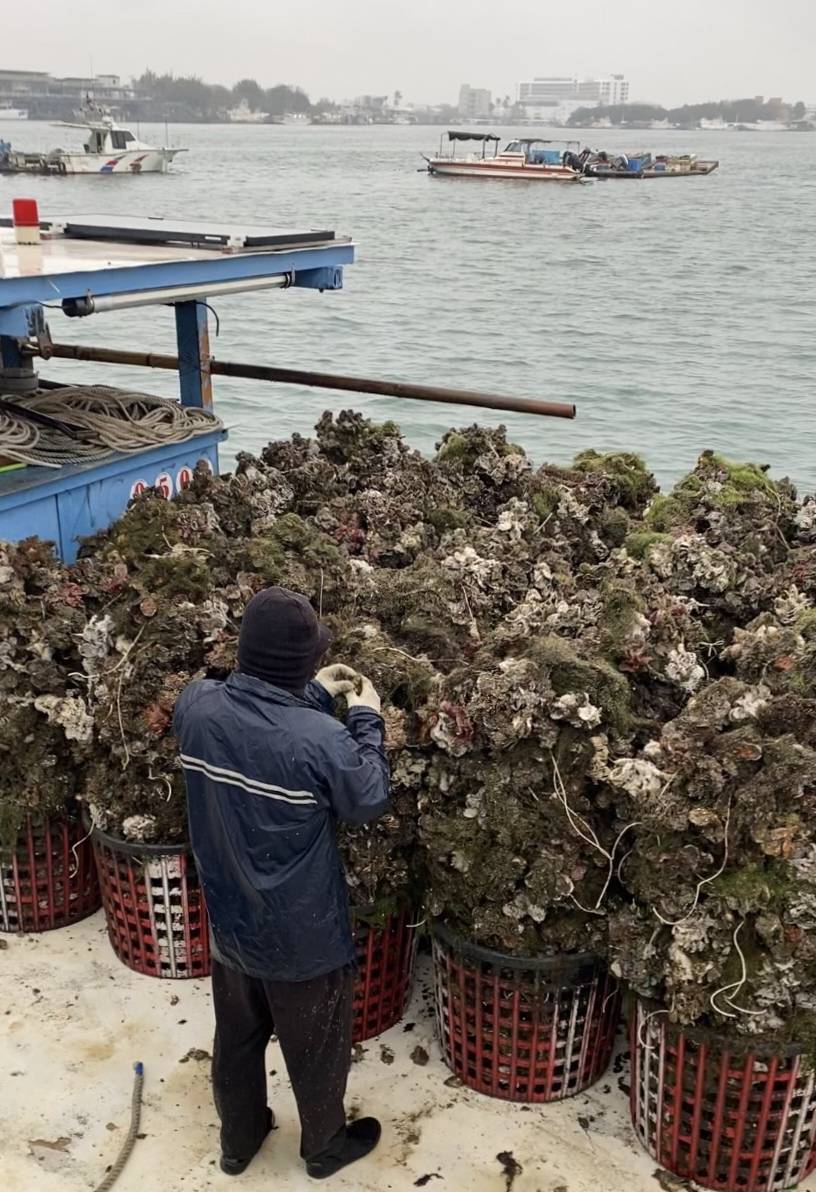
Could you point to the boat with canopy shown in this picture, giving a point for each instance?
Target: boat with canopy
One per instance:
(527, 159)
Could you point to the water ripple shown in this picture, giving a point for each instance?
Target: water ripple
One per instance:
(678, 315)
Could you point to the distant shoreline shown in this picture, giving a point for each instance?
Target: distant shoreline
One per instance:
(443, 125)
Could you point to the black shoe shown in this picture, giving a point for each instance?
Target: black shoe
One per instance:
(359, 1139)
(233, 1166)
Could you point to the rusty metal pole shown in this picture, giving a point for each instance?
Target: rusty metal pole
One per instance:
(295, 376)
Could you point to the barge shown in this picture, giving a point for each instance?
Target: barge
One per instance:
(647, 165)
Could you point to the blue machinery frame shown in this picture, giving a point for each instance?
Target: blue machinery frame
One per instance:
(63, 505)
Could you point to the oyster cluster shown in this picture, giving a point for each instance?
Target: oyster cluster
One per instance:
(600, 700)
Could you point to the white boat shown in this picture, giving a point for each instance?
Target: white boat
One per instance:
(13, 114)
(244, 114)
(527, 159)
(110, 149)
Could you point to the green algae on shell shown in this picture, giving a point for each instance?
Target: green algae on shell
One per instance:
(599, 703)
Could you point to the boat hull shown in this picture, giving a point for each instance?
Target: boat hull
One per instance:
(597, 172)
(136, 161)
(509, 173)
(701, 169)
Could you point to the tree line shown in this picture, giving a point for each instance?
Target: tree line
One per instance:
(189, 98)
(732, 111)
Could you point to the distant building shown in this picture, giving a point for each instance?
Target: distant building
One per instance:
(104, 88)
(605, 89)
(48, 97)
(551, 112)
(22, 83)
(370, 103)
(474, 102)
(554, 98)
(366, 109)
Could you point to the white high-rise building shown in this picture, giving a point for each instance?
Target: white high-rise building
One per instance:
(556, 97)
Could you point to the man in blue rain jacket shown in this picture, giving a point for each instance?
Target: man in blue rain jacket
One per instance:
(269, 772)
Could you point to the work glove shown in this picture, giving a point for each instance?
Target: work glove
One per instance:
(337, 679)
(365, 697)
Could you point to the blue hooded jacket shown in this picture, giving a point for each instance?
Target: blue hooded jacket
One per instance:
(268, 774)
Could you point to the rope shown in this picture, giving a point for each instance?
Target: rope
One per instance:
(122, 420)
(17, 438)
(106, 420)
(127, 1146)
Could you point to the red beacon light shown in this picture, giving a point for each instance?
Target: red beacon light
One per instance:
(26, 219)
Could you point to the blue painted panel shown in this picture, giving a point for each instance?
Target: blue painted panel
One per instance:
(26, 484)
(22, 321)
(16, 321)
(38, 517)
(73, 502)
(86, 510)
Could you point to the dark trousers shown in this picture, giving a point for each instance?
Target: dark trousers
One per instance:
(312, 1020)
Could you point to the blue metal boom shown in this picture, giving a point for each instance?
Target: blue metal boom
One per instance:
(116, 271)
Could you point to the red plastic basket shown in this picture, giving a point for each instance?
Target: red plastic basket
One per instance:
(523, 1029)
(158, 925)
(154, 906)
(385, 964)
(48, 879)
(718, 1111)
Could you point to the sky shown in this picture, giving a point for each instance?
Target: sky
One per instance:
(672, 51)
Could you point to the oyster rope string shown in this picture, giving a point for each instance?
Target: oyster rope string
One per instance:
(572, 818)
(704, 882)
(736, 986)
(122, 668)
(75, 847)
(644, 1025)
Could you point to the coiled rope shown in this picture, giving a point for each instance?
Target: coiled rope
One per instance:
(16, 435)
(135, 1120)
(105, 419)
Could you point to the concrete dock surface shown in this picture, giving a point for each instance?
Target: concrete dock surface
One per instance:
(73, 1020)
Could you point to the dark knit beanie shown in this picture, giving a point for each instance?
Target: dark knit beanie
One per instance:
(281, 639)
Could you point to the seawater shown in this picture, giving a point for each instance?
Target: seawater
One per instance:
(678, 314)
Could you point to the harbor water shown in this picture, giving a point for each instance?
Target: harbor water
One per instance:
(677, 314)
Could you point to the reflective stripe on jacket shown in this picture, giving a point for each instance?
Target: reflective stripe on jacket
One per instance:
(268, 774)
